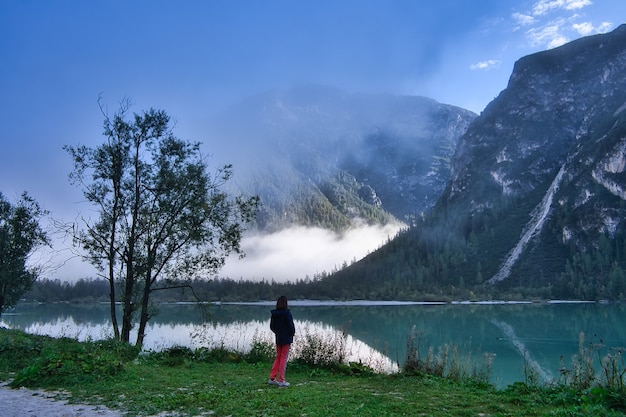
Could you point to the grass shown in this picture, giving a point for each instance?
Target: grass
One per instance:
(181, 382)
(241, 389)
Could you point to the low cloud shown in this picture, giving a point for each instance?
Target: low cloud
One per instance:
(587, 28)
(584, 29)
(486, 65)
(545, 6)
(577, 4)
(552, 23)
(549, 36)
(298, 252)
(523, 19)
(552, 35)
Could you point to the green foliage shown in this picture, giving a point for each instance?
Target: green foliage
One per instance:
(348, 196)
(330, 201)
(218, 354)
(583, 374)
(44, 361)
(17, 349)
(446, 363)
(179, 381)
(173, 356)
(326, 350)
(20, 236)
(261, 350)
(84, 291)
(581, 383)
(160, 211)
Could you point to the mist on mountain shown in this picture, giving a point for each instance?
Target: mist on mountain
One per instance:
(339, 172)
(534, 205)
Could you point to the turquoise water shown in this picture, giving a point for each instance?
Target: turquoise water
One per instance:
(543, 336)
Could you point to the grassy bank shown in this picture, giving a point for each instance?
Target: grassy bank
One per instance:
(217, 382)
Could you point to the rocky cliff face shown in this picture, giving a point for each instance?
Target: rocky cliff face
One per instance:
(549, 109)
(323, 157)
(550, 148)
(537, 191)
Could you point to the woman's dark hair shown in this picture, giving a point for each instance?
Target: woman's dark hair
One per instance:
(281, 303)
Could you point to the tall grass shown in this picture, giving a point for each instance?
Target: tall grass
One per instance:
(40, 360)
(582, 373)
(446, 362)
(203, 381)
(327, 350)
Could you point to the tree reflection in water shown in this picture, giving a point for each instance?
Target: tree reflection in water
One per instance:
(547, 331)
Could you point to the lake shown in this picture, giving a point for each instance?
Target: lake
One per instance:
(539, 334)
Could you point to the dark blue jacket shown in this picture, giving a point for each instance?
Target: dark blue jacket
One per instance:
(282, 325)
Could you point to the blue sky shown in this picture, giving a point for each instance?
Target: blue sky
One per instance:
(193, 58)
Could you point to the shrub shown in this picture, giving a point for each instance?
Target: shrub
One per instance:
(18, 349)
(217, 354)
(446, 363)
(67, 360)
(173, 356)
(261, 350)
(325, 350)
(583, 375)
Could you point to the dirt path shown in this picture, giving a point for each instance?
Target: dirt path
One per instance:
(28, 403)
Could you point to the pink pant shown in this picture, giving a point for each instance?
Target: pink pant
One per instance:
(280, 363)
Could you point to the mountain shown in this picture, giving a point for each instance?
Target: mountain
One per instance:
(319, 156)
(536, 201)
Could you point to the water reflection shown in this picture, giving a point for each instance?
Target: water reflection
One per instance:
(376, 332)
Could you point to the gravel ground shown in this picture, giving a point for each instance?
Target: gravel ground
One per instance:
(28, 403)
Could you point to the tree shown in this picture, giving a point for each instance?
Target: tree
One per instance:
(161, 215)
(20, 236)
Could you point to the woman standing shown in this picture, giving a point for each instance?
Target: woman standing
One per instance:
(282, 325)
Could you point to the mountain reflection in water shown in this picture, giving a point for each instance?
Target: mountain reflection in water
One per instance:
(523, 334)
